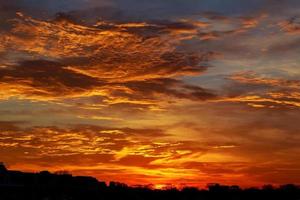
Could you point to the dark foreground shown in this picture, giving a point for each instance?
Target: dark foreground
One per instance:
(15, 185)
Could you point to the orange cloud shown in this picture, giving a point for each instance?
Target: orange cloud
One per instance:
(267, 92)
(106, 152)
(118, 62)
(291, 26)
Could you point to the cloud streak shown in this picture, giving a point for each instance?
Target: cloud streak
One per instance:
(264, 92)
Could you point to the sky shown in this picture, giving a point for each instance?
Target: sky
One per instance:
(160, 92)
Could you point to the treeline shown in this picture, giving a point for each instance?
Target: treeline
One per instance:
(16, 185)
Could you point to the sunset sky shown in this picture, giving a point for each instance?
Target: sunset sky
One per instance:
(181, 92)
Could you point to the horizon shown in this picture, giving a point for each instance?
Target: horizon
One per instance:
(187, 92)
(166, 186)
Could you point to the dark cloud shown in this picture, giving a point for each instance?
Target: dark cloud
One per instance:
(291, 26)
(40, 78)
(263, 92)
(107, 59)
(45, 78)
(10, 125)
(169, 87)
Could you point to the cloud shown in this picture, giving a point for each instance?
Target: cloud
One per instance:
(9, 125)
(168, 87)
(80, 139)
(107, 57)
(291, 26)
(43, 78)
(264, 92)
(122, 62)
(103, 151)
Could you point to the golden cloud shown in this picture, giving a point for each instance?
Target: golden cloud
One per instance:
(116, 61)
(143, 154)
(291, 26)
(265, 92)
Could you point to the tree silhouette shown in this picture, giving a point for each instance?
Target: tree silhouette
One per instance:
(16, 185)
